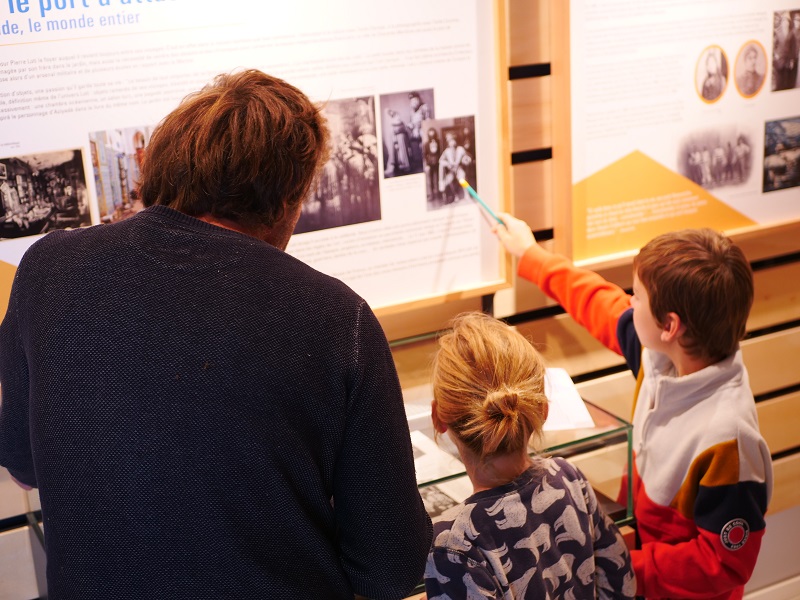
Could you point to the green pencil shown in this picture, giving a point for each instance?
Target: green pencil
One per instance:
(477, 198)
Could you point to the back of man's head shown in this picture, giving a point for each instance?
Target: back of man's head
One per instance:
(703, 277)
(245, 148)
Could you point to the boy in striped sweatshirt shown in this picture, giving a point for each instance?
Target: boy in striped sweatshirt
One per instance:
(702, 472)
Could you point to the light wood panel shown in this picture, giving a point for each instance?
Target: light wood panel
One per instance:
(34, 503)
(775, 301)
(527, 297)
(777, 572)
(6, 279)
(766, 242)
(772, 360)
(530, 114)
(414, 362)
(528, 31)
(532, 189)
(604, 467)
(562, 124)
(17, 573)
(426, 320)
(786, 490)
(613, 393)
(565, 344)
(13, 499)
(779, 421)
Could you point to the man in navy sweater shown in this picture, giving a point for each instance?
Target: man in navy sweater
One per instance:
(204, 415)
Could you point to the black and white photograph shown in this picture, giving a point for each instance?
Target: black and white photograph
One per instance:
(449, 151)
(435, 500)
(785, 49)
(750, 69)
(782, 154)
(716, 158)
(348, 190)
(42, 192)
(711, 74)
(402, 115)
(116, 161)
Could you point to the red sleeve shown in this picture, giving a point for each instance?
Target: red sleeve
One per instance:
(723, 520)
(698, 568)
(588, 298)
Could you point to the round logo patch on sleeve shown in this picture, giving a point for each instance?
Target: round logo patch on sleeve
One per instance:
(734, 534)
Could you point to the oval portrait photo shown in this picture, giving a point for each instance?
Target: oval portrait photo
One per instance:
(750, 69)
(711, 74)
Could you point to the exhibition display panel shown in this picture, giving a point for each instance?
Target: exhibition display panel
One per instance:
(412, 98)
(672, 115)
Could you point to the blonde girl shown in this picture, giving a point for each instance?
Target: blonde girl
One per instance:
(533, 527)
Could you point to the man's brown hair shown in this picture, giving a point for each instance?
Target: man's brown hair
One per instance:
(243, 148)
(704, 278)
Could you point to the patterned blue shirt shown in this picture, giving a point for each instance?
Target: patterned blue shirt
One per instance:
(541, 536)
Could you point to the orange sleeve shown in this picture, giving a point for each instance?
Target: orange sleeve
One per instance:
(592, 301)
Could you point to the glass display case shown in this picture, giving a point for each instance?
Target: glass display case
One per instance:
(601, 451)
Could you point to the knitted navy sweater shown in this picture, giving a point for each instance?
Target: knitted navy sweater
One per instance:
(205, 417)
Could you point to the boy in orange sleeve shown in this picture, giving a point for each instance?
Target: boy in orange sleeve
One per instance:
(702, 472)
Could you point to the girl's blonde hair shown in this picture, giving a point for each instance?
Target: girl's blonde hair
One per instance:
(488, 384)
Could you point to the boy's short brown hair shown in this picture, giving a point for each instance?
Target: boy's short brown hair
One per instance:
(703, 277)
(243, 148)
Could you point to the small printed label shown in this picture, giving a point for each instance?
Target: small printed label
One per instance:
(735, 534)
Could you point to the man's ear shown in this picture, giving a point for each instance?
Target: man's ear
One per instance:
(438, 424)
(673, 328)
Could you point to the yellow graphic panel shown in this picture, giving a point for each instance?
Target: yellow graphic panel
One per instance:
(623, 206)
(7, 272)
